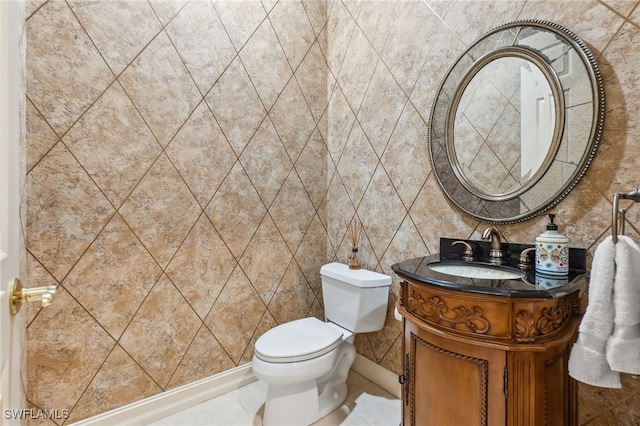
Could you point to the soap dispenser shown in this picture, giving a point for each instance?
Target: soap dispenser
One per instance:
(552, 251)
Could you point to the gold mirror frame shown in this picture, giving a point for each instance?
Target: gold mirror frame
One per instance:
(557, 175)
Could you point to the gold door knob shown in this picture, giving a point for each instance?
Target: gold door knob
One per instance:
(20, 295)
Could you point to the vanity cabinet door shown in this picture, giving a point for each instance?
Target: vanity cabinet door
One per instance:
(450, 382)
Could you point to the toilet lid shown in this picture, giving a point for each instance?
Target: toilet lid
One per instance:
(298, 340)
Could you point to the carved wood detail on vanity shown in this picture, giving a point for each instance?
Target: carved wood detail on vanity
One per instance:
(471, 314)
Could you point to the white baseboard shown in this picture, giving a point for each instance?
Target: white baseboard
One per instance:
(175, 400)
(387, 380)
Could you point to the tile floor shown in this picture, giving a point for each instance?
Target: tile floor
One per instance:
(366, 404)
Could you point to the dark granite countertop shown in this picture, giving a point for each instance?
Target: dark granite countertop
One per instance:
(531, 285)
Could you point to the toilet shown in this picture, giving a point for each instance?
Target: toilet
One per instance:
(305, 362)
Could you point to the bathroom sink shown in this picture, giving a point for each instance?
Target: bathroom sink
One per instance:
(477, 270)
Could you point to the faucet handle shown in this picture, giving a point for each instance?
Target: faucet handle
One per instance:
(524, 261)
(468, 252)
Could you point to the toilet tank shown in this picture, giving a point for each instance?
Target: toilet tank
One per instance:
(355, 299)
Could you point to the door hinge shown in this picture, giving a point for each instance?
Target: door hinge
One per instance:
(404, 379)
(506, 382)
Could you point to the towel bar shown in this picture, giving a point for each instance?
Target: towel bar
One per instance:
(619, 214)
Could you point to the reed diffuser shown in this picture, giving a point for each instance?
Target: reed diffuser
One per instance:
(355, 232)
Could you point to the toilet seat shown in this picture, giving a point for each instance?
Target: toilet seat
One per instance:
(298, 340)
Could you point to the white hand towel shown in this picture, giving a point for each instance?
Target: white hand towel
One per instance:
(587, 362)
(623, 347)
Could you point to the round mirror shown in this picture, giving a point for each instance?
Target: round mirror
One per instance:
(516, 121)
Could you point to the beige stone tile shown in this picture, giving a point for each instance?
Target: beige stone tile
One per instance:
(197, 29)
(469, 20)
(119, 381)
(265, 260)
(311, 253)
(381, 108)
(338, 32)
(65, 347)
(166, 9)
(434, 217)
(205, 357)
(165, 109)
(313, 168)
(339, 210)
(590, 20)
(357, 68)
(120, 29)
(292, 119)
(236, 106)
(64, 211)
(266, 162)
(394, 359)
(235, 315)
(266, 323)
(408, 42)
(161, 211)
(266, 63)
(315, 80)
(41, 137)
(340, 120)
(292, 211)
(201, 154)
(113, 277)
(293, 297)
(375, 20)
(240, 18)
(294, 31)
(165, 320)
(201, 266)
(406, 162)
(357, 164)
(381, 211)
(64, 71)
(317, 13)
(236, 210)
(113, 143)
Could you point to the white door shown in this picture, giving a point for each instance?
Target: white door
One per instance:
(12, 99)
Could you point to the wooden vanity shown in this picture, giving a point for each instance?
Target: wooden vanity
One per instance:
(487, 351)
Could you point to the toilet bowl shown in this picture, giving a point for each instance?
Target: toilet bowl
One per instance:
(306, 362)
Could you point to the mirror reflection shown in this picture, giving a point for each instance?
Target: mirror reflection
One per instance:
(504, 126)
(516, 121)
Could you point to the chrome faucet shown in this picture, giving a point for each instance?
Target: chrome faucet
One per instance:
(491, 233)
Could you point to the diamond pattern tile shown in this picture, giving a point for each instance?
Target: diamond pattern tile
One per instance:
(201, 266)
(64, 73)
(161, 210)
(292, 119)
(206, 34)
(167, 320)
(175, 96)
(236, 106)
(116, 264)
(113, 143)
(61, 228)
(134, 21)
(236, 210)
(204, 156)
(266, 162)
(263, 46)
(234, 323)
(201, 154)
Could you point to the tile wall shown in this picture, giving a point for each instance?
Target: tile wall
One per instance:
(191, 165)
